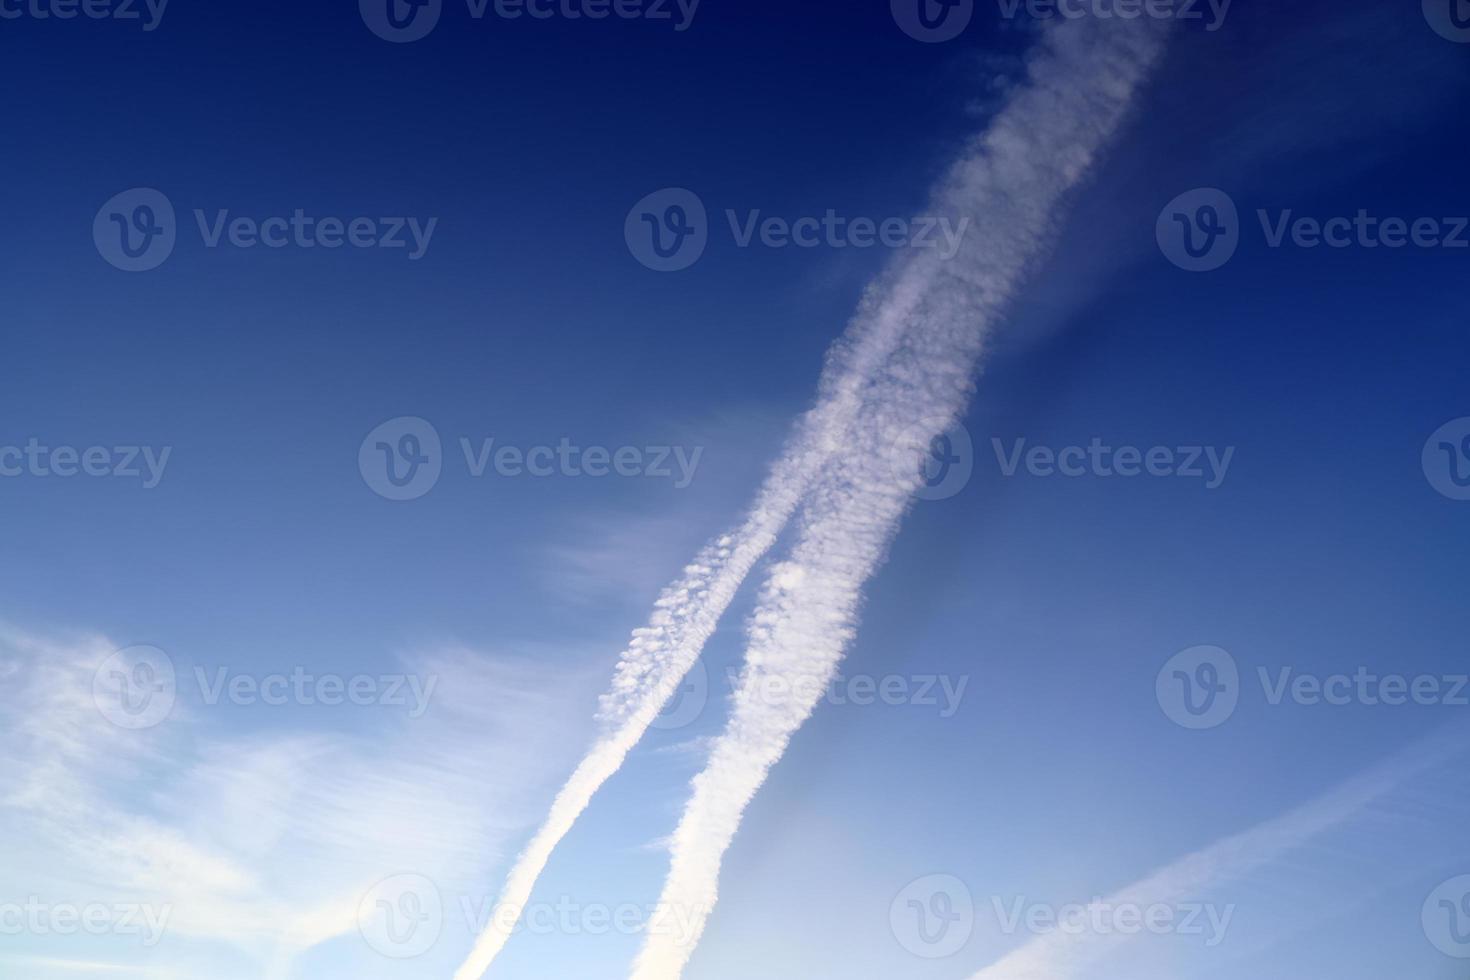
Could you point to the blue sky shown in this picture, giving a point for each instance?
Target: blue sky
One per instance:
(1057, 775)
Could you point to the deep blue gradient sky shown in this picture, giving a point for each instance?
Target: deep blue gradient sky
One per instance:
(528, 320)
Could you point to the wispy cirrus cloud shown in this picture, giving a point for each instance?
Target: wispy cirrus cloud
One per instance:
(264, 843)
(1379, 803)
(1080, 85)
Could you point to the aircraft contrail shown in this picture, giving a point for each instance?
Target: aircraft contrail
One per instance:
(1080, 85)
(1060, 955)
(660, 654)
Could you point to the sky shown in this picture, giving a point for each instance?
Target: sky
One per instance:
(354, 538)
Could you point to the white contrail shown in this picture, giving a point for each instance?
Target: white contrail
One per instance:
(1059, 955)
(660, 655)
(1080, 85)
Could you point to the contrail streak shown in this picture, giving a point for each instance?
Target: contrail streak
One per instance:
(1043, 142)
(661, 653)
(1059, 955)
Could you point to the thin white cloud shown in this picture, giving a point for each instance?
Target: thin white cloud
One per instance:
(1080, 85)
(263, 843)
(1062, 954)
